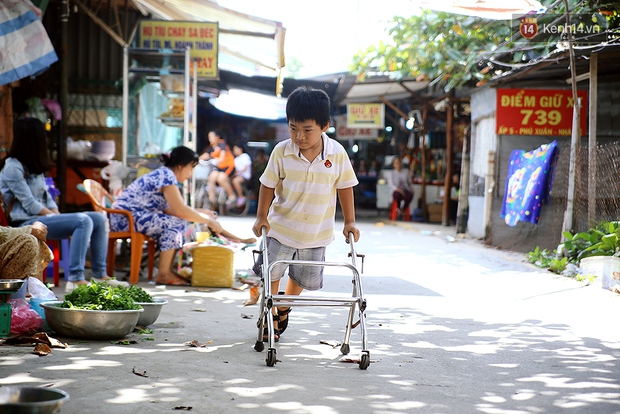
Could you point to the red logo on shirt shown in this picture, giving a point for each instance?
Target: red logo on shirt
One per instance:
(328, 164)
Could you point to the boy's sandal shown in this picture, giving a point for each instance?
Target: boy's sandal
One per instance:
(283, 323)
(276, 331)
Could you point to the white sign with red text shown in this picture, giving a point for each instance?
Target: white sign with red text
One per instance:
(344, 132)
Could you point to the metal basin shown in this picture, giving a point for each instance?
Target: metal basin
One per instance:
(31, 400)
(11, 285)
(151, 311)
(90, 324)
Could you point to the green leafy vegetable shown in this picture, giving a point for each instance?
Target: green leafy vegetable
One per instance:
(140, 295)
(100, 296)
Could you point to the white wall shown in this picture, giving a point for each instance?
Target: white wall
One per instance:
(483, 140)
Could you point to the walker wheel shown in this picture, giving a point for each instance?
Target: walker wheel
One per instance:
(364, 360)
(259, 346)
(344, 349)
(271, 357)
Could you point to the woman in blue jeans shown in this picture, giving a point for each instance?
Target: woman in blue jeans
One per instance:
(24, 190)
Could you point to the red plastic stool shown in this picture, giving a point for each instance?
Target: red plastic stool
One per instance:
(60, 250)
(394, 212)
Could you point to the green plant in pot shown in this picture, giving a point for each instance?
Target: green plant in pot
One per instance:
(601, 240)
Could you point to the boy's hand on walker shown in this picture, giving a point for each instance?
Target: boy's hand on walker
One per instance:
(258, 225)
(351, 228)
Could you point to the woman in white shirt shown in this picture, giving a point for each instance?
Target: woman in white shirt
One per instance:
(399, 182)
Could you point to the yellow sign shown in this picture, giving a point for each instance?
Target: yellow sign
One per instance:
(365, 115)
(200, 37)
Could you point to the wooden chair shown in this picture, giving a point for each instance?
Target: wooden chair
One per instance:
(99, 197)
(54, 246)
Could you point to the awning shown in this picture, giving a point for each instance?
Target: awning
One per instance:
(250, 104)
(253, 96)
(487, 9)
(389, 89)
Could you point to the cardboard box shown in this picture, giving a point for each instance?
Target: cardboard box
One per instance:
(434, 212)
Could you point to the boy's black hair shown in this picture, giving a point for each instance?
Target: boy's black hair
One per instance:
(180, 156)
(30, 146)
(308, 104)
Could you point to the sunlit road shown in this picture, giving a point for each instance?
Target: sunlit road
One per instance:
(453, 327)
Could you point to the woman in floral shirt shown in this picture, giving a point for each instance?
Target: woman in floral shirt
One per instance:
(157, 206)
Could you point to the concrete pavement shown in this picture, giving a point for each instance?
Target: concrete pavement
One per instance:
(453, 327)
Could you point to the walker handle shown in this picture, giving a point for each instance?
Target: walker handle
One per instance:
(351, 238)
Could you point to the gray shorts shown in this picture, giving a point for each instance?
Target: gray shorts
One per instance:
(308, 277)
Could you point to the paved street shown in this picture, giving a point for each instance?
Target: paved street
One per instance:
(453, 327)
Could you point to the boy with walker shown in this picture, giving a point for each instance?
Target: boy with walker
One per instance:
(297, 198)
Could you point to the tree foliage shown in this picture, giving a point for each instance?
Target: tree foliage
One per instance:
(458, 50)
(435, 46)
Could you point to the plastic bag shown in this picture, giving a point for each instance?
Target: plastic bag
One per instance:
(24, 319)
(37, 289)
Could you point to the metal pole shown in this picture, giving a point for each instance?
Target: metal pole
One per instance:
(61, 155)
(592, 139)
(186, 99)
(447, 182)
(187, 193)
(423, 162)
(575, 135)
(194, 127)
(125, 136)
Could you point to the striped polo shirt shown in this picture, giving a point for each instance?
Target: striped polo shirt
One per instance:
(302, 214)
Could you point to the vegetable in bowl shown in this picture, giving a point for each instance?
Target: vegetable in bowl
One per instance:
(140, 295)
(100, 296)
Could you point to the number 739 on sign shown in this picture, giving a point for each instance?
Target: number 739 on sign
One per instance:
(541, 117)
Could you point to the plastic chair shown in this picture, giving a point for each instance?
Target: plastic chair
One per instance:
(394, 212)
(99, 197)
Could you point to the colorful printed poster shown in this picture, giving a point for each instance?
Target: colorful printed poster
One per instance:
(528, 183)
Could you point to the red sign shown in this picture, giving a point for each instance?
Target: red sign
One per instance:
(538, 112)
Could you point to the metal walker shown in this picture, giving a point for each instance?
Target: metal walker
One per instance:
(268, 300)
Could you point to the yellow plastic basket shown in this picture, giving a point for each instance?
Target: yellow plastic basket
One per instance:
(213, 266)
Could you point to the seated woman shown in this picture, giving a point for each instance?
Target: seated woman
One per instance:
(24, 189)
(399, 182)
(157, 206)
(23, 251)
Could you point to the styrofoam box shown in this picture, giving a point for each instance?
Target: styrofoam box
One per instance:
(606, 269)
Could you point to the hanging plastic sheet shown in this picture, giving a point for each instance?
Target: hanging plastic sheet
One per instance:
(528, 183)
(25, 47)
